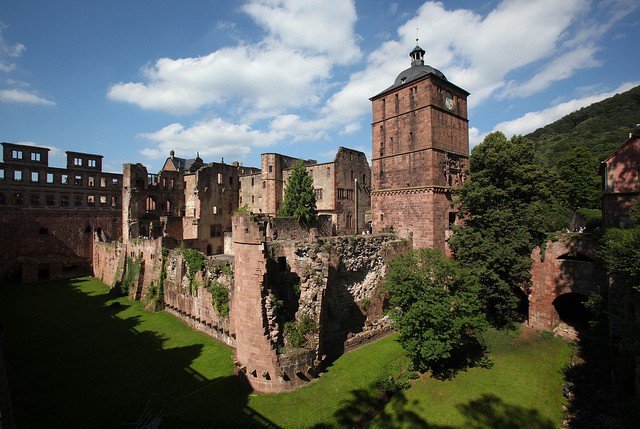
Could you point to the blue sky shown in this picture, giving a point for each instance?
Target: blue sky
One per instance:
(132, 80)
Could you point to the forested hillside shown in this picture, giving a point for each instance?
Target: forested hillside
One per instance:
(575, 145)
(598, 129)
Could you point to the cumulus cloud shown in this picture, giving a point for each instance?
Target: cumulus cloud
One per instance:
(533, 120)
(286, 70)
(303, 25)
(211, 138)
(24, 97)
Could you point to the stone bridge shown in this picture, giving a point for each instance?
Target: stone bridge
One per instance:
(563, 274)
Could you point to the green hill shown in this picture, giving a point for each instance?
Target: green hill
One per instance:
(575, 145)
(597, 129)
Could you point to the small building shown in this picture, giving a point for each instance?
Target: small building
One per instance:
(48, 215)
(620, 179)
(342, 188)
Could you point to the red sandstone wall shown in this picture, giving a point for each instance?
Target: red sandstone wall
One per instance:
(553, 275)
(40, 237)
(108, 262)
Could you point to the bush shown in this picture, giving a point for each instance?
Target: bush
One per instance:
(436, 309)
(592, 218)
(296, 333)
(219, 297)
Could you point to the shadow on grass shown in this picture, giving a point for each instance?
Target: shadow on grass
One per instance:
(74, 362)
(365, 408)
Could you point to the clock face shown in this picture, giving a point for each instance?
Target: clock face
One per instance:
(448, 101)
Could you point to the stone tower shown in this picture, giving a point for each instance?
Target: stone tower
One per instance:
(420, 137)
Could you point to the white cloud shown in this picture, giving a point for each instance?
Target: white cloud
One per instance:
(534, 120)
(211, 138)
(475, 137)
(23, 97)
(7, 49)
(6, 68)
(288, 69)
(304, 25)
(560, 68)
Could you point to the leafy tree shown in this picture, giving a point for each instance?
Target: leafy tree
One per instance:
(299, 196)
(578, 170)
(435, 305)
(509, 204)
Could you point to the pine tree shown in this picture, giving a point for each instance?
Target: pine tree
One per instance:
(299, 196)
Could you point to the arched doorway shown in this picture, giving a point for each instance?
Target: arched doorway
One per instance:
(572, 311)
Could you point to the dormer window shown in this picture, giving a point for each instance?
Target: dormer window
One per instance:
(16, 154)
(91, 163)
(35, 156)
(77, 161)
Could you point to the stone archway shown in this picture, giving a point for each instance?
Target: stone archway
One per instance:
(563, 274)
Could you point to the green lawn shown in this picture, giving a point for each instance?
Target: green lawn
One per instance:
(79, 358)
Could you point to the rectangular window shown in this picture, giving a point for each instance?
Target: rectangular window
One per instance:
(64, 200)
(318, 194)
(230, 180)
(35, 199)
(16, 154)
(49, 177)
(114, 201)
(64, 179)
(43, 231)
(103, 182)
(77, 201)
(91, 163)
(51, 199)
(77, 180)
(17, 198)
(271, 169)
(35, 156)
(114, 182)
(91, 181)
(1, 173)
(103, 201)
(77, 161)
(35, 176)
(91, 201)
(215, 210)
(216, 230)
(219, 178)
(17, 175)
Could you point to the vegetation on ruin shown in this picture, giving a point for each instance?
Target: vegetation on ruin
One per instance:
(131, 271)
(299, 196)
(195, 263)
(219, 297)
(436, 309)
(77, 333)
(297, 332)
(510, 204)
(155, 292)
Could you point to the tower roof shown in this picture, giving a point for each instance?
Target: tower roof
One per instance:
(417, 71)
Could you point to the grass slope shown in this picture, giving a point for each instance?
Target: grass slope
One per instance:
(79, 358)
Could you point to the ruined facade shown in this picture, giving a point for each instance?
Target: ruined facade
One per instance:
(621, 182)
(187, 200)
(342, 188)
(420, 138)
(48, 215)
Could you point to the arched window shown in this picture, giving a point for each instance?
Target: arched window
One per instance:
(150, 205)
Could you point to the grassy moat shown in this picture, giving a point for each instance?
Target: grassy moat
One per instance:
(77, 357)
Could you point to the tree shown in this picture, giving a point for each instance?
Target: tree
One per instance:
(299, 196)
(509, 204)
(578, 170)
(435, 306)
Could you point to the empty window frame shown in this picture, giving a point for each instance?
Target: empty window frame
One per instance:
(91, 163)
(77, 161)
(50, 199)
(17, 175)
(35, 156)
(16, 154)
(91, 181)
(35, 176)
(77, 180)
(50, 178)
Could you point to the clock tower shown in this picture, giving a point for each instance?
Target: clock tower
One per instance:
(420, 137)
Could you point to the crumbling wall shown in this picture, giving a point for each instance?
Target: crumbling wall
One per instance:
(195, 305)
(108, 261)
